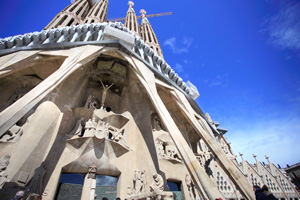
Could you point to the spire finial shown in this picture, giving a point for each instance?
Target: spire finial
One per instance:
(254, 156)
(131, 4)
(143, 12)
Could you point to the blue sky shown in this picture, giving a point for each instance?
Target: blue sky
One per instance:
(243, 56)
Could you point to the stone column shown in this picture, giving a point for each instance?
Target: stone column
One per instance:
(202, 181)
(89, 186)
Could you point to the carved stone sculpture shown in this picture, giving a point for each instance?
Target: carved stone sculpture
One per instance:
(92, 172)
(77, 129)
(92, 103)
(139, 182)
(102, 129)
(156, 123)
(104, 92)
(4, 162)
(36, 183)
(117, 136)
(157, 183)
(160, 149)
(3, 178)
(90, 127)
(172, 152)
(12, 135)
(207, 167)
(190, 185)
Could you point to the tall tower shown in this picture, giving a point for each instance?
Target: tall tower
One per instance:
(71, 15)
(91, 110)
(131, 21)
(98, 13)
(148, 34)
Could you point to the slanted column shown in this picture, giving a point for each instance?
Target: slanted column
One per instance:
(89, 186)
(204, 184)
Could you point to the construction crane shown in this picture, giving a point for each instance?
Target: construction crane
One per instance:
(140, 17)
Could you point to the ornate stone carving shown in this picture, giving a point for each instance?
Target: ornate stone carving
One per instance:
(190, 185)
(77, 129)
(208, 170)
(104, 92)
(12, 135)
(156, 123)
(92, 172)
(36, 183)
(160, 149)
(4, 162)
(139, 182)
(90, 127)
(157, 183)
(171, 152)
(92, 103)
(3, 178)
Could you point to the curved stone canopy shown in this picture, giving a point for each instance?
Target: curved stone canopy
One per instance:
(95, 33)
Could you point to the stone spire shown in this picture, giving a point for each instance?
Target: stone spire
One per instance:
(131, 21)
(148, 34)
(71, 15)
(98, 13)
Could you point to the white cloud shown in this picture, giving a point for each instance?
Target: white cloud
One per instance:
(178, 67)
(276, 138)
(219, 80)
(283, 29)
(184, 48)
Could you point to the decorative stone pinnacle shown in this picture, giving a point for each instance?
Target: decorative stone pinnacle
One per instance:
(254, 155)
(131, 4)
(266, 157)
(240, 154)
(143, 12)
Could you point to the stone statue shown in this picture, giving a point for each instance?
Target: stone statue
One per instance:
(139, 182)
(4, 162)
(207, 167)
(36, 183)
(105, 90)
(3, 178)
(92, 172)
(160, 148)
(102, 129)
(90, 127)
(117, 136)
(156, 123)
(157, 183)
(92, 102)
(77, 129)
(171, 152)
(190, 186)
(12, 135)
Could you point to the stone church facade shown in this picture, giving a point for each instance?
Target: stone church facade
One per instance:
(90, 109)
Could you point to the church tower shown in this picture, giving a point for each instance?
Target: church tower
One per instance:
(131, 21)
(91, 109)
(148, 34)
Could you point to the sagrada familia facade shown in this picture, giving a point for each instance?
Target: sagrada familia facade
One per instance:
(90, 109)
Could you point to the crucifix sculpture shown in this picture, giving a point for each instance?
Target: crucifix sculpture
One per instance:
(105, 89)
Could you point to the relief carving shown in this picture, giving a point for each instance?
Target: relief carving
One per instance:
(92, 172)
(139, 182)
(3, 164)
(92, 103)
(167, 150)
(12, 135)
(157, 125)
(157, 183)
(190, 185)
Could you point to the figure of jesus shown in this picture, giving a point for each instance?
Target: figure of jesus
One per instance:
(105, 89)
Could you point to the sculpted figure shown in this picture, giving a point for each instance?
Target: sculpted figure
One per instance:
(117, 136)
(139, 182)
(102, 129)
(160, 148)
(157, 183)
(92, 172)
(93, 102)
(190, 185)
(4, 162)
(12, 135)
(36, 183)
(171, 152)
(207, 167)
(3, 179)
(105, 90)
(90, 127)
(156, 123)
